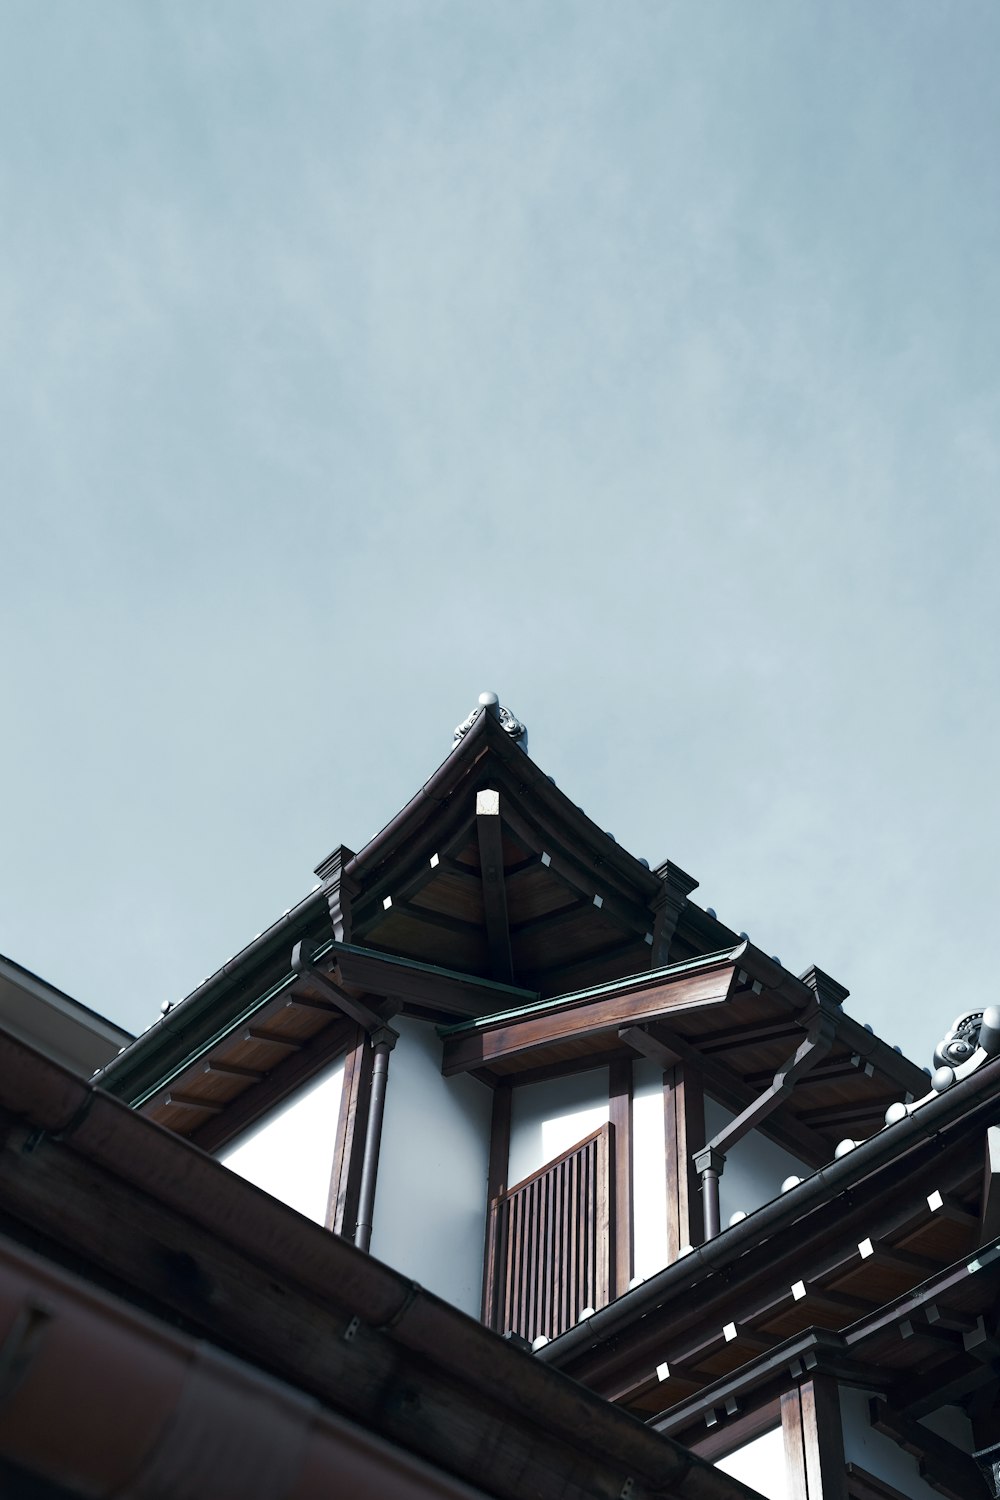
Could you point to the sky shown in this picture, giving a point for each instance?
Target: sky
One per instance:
(638, 362)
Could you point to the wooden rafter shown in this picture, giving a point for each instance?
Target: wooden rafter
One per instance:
(490, 837)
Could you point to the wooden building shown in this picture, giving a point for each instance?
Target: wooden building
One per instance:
(536, 1079)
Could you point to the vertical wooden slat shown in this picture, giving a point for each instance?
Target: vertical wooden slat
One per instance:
(551, 1250)
(684, 1125)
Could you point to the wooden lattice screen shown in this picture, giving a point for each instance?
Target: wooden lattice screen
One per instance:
(549, 1250)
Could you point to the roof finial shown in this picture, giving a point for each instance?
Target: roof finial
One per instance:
(489, 703)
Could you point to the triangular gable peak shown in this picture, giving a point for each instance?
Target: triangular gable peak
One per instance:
(492, 870)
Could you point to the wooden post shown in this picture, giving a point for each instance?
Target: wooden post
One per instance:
(345, 1177)
(496, 1184)
(814, 1441)
(684, 1123)
(620, 1116)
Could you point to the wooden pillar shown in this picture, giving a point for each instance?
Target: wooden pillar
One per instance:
(348, 1154)
(496, 1183)
(620, 1116)
(684, 1123)
(814, 1441)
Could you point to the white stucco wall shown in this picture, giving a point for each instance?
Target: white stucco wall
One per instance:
(878, 1453)
(290, 1152)
(430, 1204)
(548, 1118)
(755, 1167)
(761, 1464)
(649, 1173)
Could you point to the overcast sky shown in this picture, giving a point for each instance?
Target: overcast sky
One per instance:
(638, 361)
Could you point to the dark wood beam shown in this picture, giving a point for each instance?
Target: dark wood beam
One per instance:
(490, 836)
(942, 1464)
(684, 1130)
(667, 1047)
(581, 1018)
(989, 1224)
(496, 1185)
(336, 995)
(349, 1142)
(814, 1440)
(620, 1116)
(247, 1108)
(441, 990)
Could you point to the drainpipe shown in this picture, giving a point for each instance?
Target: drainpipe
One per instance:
(710, 1163)
(383, 1040)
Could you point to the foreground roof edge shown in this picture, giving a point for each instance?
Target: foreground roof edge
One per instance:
(264, 1244)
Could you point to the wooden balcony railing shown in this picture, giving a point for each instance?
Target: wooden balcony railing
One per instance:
(549, 1246)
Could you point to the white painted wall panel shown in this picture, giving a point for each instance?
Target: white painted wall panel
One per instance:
(761, 1464)
(649, 1171)
(878, 1453)
(430, 1204)
(548, 1118)
(755, 1167)
(290, 1152)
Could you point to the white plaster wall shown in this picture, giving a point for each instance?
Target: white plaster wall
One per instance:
(430, 1203)
(755, 1167)
(649, 1171)
(876, 1452)
(548, 1118)
(761, 1464)
(290, 1152)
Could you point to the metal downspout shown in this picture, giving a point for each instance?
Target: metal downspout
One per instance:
(383, 1040)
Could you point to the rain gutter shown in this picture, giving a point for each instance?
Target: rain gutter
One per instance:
(891, 1142)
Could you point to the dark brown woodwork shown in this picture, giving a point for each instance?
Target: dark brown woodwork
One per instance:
(339, 890)
(191, 1101)
(229, 1070)
(441, 990)
(491, 865)
(864, 1486)
(667, 1047)
(990, 1216)
(553, 1237)
(943, 1465)
(620, 1118)
(814, 1441)
(297, 1068)
(348, 1151)
(496, 1185)
(684, 1128)
(667, 906)
(586, 1017)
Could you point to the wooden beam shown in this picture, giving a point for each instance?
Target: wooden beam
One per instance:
(989, 1221)
(942, 1464)
(620, 1116)
(300, 1064)
(580, 1018)
(496, 1185)
(442, 990)
(814, 1440)
(336, 995)
(348, 1150)
(684, 1131)
(192, 1101)
(660, 1042)
(490, 836)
